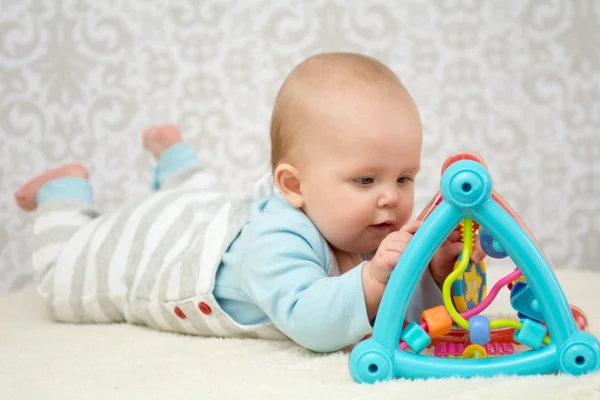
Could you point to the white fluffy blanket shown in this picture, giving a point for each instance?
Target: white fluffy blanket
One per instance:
(42, 359)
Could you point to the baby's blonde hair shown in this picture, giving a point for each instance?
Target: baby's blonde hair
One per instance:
(305, 81)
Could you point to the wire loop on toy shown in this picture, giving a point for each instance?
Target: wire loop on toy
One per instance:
(467, 231)
(464, 263)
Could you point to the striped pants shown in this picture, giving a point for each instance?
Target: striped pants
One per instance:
(140, 262)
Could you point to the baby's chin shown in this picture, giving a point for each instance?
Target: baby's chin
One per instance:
(357, 247)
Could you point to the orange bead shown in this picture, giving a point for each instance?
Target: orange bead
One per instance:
(438, 321)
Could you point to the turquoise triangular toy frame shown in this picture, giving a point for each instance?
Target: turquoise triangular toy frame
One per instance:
(466, 189)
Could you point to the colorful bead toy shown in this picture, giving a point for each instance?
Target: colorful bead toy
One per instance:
(554, 330)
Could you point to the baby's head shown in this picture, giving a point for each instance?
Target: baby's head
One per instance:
(346, 147)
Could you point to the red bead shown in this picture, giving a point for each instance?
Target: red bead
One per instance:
(580, 318)
(205, 308)
(179, 313)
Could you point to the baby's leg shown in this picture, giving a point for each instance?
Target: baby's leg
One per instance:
(63, 201)
(27, 194)
(177, 164)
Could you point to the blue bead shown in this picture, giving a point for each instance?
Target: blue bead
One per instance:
(531, 334)
(497, 246)
(479, 329)
(492, 247)
(523, 300)
(415, 337)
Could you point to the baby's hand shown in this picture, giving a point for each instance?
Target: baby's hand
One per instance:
(376, 272)
(389, 252)
(443, 260)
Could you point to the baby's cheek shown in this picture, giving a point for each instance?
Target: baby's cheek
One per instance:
(336, 219)
(404, 216)
(406, 208)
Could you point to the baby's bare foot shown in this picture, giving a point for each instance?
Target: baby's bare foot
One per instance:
(26, 194)
(159, 138)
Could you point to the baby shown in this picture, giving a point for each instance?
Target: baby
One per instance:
(306, 255)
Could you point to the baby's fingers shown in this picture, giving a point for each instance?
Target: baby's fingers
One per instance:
(396, 241)
(411, 227)
(452, 251)
(390, 259)
(383, 263)
(453, 237)
(478, 253)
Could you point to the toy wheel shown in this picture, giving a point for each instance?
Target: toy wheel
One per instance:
(580, 354)
(369, 363)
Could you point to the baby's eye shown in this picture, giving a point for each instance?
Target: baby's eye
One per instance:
(364, 181)
(404, 180)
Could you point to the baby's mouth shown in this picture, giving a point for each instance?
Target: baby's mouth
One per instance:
(383, 226)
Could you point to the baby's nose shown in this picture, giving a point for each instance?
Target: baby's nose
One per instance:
(388, 198)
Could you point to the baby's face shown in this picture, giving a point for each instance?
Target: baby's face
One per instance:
(358, 176)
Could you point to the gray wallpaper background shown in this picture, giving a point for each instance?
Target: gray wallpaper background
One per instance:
(516, 81)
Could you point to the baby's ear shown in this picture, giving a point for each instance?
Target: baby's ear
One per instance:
(287, 179)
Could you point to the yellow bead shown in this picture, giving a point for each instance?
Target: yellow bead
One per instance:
(474, 351)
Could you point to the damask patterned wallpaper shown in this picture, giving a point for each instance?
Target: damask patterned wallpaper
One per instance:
(517, 81)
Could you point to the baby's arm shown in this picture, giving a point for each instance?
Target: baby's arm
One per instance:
(284, 274)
